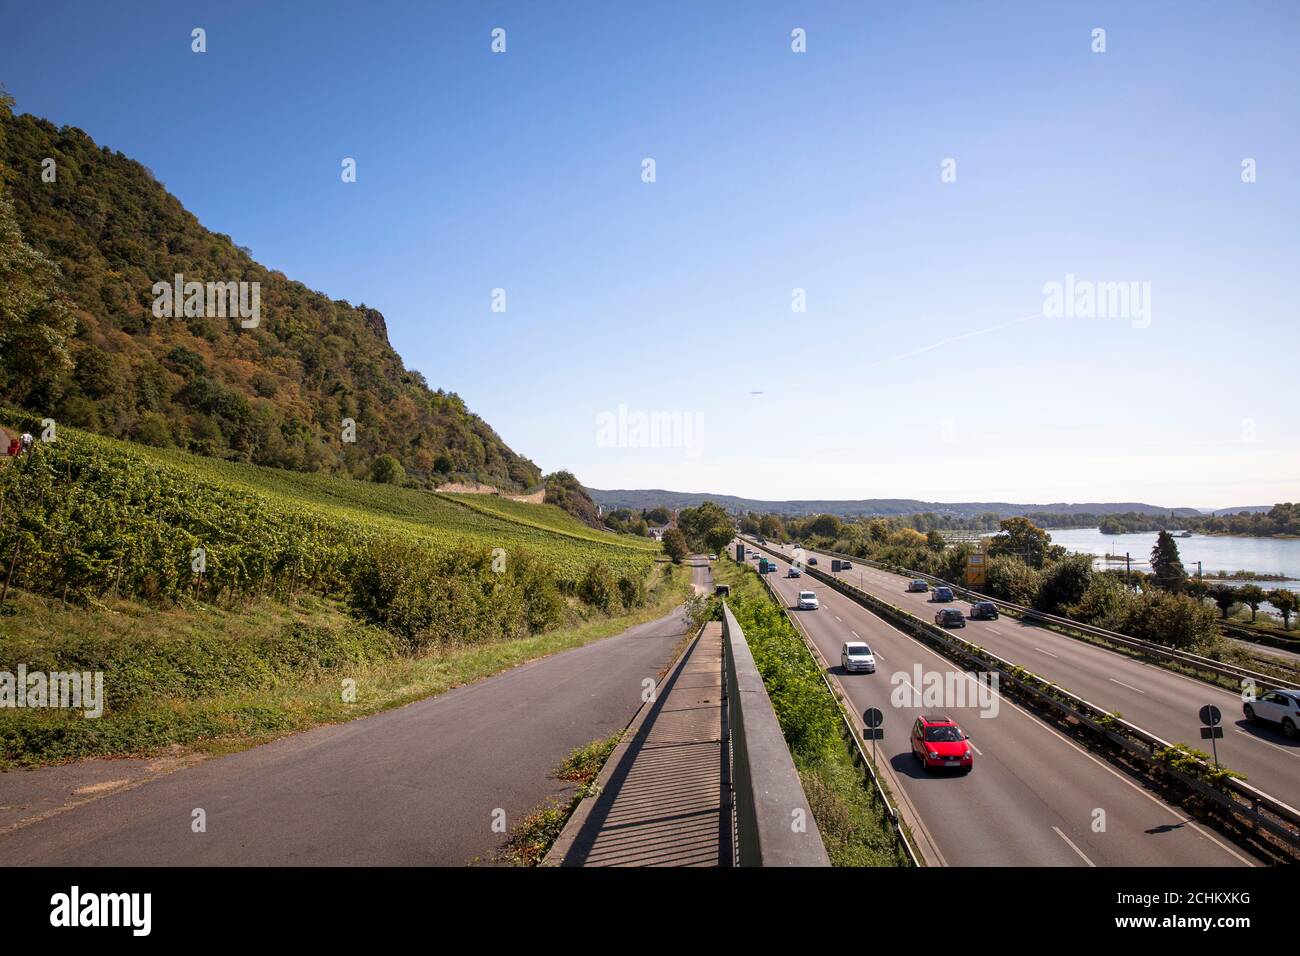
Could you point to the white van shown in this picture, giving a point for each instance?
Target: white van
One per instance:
(807, 601)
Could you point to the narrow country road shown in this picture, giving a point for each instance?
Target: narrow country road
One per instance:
(419, 785)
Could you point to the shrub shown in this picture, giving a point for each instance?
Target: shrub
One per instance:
(632, 591)
(599, 588)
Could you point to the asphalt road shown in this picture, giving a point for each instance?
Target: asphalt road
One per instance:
(414, 786)
(1033, 796)
(1158, 700)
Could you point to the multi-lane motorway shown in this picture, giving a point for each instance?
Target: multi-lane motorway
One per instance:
(1157, 700)
(1033, 798)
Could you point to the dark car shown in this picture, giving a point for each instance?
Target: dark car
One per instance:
(949, 617)
(846, 565)
(983, 611)
(941, 594)
(812, 562)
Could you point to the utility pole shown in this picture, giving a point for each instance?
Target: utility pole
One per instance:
(1128, 568)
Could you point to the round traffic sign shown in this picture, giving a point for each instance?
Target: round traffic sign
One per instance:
(1211, 715)
(872, 717)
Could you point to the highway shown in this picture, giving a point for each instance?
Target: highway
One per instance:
(416, 785)
(1160, 701)
(1034, 798)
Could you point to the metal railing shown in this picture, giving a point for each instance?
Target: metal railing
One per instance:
(774, 825)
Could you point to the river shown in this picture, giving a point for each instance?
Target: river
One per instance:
(1215, 552)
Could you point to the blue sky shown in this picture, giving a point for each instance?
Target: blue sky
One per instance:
(775, 171)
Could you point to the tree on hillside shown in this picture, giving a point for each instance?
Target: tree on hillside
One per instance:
(387, 470)
(1021, 538)
(35, 324)
(1166, 566)
(565, 491)
(675, 545)
(1251, 595)
(934, 541)
(1286, 601)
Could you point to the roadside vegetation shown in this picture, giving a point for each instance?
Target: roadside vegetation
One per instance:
(532, 839)
(226, 602)
(855, 828)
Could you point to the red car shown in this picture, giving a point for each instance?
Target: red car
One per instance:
(939, 742)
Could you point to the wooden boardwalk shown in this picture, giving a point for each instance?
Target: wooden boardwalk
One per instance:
(667, 799)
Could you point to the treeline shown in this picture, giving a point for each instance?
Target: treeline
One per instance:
(1281, 519)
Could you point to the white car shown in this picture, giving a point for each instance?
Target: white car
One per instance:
(857, 656)
(808, 601)
(1279, 706)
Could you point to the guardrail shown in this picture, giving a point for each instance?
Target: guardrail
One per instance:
(1147, 648)
(1257, 809)
(878, 788)
(768, 794)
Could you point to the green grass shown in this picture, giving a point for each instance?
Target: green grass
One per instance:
(222, 679)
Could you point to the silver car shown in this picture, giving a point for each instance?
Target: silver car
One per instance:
(857, 656)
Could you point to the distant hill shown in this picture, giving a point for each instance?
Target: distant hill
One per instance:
(277, 394)
(1247, 509)
(654, 497)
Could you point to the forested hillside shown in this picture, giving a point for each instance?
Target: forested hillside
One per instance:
(82, 344)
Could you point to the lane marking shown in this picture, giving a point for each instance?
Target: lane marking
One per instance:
(1082, 855)
(1268, 743)
(838, 618)
(1129, 686)
(1036, 722)
(1048, 653)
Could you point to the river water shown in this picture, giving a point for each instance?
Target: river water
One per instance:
(1215, 552)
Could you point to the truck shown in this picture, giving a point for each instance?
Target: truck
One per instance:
(765, 565)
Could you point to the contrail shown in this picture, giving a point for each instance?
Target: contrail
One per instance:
(955, 338)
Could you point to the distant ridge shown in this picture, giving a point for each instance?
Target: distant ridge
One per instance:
(850, 508)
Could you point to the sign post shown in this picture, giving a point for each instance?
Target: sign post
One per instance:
(1211, 716)
(873, 718)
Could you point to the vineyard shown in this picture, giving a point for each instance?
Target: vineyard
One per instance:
(86, 517)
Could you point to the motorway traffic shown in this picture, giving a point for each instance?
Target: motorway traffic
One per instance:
(1033, 797)
(1158, 700)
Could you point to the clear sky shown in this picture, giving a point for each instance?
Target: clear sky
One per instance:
(775, 171)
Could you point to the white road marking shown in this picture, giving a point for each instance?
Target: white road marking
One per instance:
(1048, 653)
(1267, 743)
(1129, 686)
(855, 634)
(1040, 724)
(974, 748)
(1082, 855)
(838, 618)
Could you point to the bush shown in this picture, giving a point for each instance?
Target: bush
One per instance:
(599, 588)
(1175, 620)
(1064, 583)
(1012, 580)
(632, 591)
